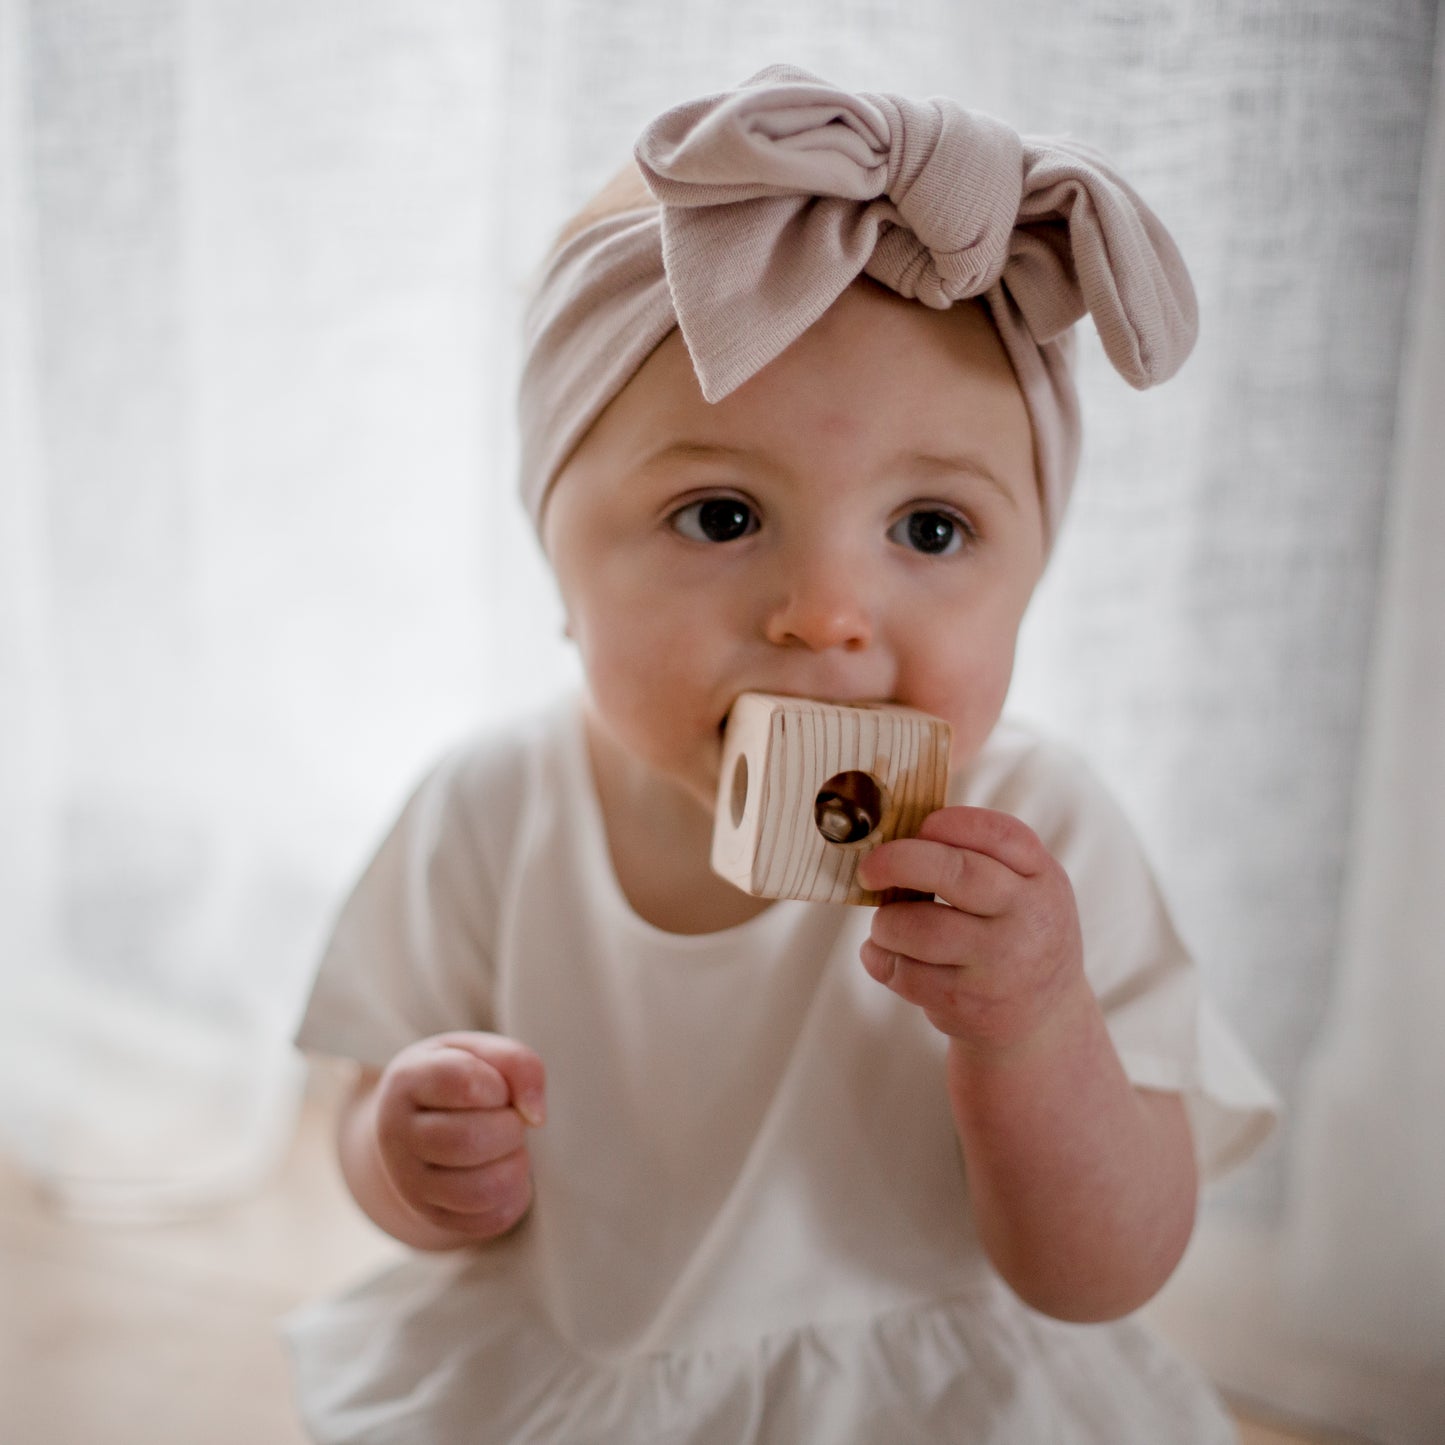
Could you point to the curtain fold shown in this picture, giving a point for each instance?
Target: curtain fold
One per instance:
(1365, 1226)
(27, 714)
(260, 273)
(1333, 1309)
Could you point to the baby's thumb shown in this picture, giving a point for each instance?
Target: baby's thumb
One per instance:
(517, 1064)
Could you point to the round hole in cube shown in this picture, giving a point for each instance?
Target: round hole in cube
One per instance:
(740, 789)
(849, 807)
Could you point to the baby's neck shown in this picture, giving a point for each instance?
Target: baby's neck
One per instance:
(660, 841)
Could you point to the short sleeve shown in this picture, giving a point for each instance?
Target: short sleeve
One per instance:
(1168, 1035)
(411, 953)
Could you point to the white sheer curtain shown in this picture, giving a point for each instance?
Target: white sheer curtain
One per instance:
(1335, 1306)
(260, 266)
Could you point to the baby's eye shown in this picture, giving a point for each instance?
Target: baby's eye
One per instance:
(932, 531)
(715, 519)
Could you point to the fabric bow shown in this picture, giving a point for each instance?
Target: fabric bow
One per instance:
(774, 197)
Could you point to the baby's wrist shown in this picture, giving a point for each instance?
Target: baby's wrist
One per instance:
(1071, 1019)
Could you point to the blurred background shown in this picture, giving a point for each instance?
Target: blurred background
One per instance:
(261, 267)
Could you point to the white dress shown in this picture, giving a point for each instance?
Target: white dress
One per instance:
(751, 1222)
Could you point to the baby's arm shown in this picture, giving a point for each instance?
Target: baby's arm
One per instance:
(1084, 1187)
(433, 1147)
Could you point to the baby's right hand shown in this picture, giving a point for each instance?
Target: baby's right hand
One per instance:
(451, 1119)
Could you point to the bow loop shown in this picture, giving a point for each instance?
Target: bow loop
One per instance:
(1086, 243)
(784, 132)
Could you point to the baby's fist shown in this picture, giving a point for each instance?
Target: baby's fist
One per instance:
(451, 1120)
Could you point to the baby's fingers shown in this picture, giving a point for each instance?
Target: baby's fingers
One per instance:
(481, 1202)
(971, 882)
(947, 1000)
(972, 858)
(448, 1077)
(519, 1068)
(902, 974)
(464, 1138)
(466, 1071)
(930, 933)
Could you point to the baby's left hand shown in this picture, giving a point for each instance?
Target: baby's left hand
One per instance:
(992, 967)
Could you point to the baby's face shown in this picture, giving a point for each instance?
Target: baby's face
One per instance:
(859, 522)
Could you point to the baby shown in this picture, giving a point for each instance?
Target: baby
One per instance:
(682, 1164)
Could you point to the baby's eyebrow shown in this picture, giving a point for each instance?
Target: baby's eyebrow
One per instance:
(960, 464)
(915, 463)
(685, 451)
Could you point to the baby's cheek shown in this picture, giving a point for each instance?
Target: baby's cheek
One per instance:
(645, 694)
(977, 704)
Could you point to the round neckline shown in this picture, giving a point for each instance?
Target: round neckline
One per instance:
(596, 844)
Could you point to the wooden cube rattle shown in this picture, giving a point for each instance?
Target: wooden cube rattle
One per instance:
(807, 788)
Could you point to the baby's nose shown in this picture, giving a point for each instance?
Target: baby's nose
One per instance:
(820, 607)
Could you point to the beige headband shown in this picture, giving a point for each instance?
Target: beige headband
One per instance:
(776, 196)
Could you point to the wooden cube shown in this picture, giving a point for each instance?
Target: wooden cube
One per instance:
(807, 788)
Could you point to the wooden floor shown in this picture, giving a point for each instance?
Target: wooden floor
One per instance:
(165, 1335)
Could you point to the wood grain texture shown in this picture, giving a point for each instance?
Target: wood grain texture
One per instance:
(779, 752)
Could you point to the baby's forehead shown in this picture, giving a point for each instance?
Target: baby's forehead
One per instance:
(875, 371)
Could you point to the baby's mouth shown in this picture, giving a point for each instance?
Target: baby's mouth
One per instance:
(726, 718)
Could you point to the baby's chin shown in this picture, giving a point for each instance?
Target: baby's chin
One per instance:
(701, 790)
